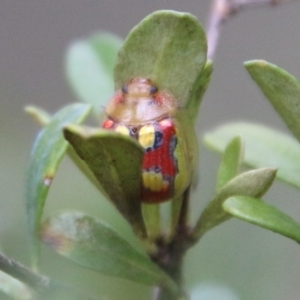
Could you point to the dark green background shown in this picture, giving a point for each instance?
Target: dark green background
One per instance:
(254, 263)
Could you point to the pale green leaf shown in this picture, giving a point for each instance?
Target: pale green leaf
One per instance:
(116, 162)
(264, 147)
(257, 212)
(281, 89)
(44, 118)
(254, 183)
(89, 66)
(169, 48)
(92, 244)
(61, 291)
(40, 116)
(47, 153)
(198, 91)
(231, 162)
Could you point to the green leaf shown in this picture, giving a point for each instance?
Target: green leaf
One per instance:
(40, 115)
(61, 291)
(254, 183)
(43, 118)
(231, 162)
(169, 48)
(92, 244)
(281, 89)
(116, 161)
(199, 90)
(48, 150)
(264, 215)
(89, 66)
(264, 147)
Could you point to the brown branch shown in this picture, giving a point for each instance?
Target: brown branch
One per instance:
(222, 10)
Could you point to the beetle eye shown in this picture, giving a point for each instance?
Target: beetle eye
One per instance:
(153, 90)
(125, 89)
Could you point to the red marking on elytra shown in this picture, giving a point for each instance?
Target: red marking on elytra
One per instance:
(162, 156)
(162, 159)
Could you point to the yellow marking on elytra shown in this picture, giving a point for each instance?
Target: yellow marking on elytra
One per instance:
(123, 130)
(147, 136)
(154, 181)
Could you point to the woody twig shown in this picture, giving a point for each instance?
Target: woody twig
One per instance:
(223, 10)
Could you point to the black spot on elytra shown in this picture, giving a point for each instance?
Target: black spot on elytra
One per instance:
(158, 141)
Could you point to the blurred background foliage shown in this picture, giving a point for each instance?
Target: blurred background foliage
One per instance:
(236, 260)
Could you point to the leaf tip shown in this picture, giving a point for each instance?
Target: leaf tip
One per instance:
(39, 115)
(256, 63)
(30, 109)
(267, 177)
(272, 172)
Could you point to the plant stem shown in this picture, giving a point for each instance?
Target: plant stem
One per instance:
(170, 254)
(23, 274)
(221, 11)
(174, 269)
(151, 215)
